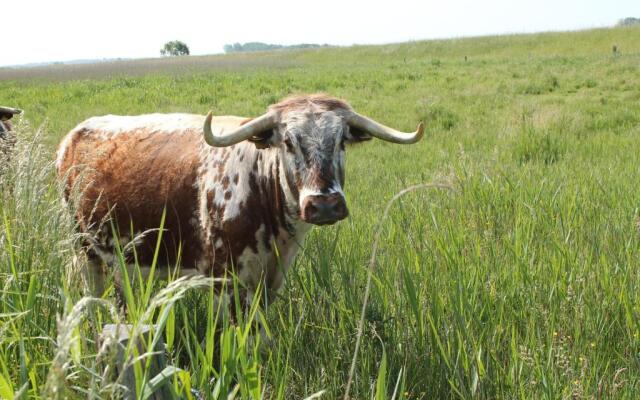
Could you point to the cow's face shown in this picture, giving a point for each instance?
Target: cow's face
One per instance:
(313, 147)
(310, 132)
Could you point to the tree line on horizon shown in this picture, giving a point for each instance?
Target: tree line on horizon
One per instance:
(259, 46)
(178, 48)
(628, 21)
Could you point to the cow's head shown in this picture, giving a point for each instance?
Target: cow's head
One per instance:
(6, 113)
(310, 133)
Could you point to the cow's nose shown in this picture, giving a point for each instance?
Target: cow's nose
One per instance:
(324, 209)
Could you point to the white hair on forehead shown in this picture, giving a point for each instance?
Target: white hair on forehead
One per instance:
(315, 131)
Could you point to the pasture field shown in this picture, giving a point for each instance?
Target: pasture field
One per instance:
(520, 281)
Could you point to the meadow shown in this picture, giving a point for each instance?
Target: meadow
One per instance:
(521, 280)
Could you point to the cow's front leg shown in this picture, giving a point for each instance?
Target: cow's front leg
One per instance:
(93, 272)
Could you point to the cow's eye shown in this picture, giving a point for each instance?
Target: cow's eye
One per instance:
(289, 144)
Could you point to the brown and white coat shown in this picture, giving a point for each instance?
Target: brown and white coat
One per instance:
(244, 207)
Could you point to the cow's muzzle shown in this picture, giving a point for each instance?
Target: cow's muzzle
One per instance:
(324, 209)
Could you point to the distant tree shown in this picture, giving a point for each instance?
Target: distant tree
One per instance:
(175, 48)
(629, 21)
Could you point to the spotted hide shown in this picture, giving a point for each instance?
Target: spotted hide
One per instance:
(239, 193)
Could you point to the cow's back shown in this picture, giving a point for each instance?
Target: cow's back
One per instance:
(130, 169)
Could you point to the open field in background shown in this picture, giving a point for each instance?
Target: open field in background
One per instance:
(522, 281)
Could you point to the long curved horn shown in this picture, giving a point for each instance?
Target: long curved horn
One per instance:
(384, 132)
(244, 132)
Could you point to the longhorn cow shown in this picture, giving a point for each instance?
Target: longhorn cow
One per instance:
(239, 193)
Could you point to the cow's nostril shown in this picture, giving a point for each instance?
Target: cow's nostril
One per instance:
(311, 209)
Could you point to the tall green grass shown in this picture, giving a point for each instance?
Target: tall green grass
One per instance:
(519, 282)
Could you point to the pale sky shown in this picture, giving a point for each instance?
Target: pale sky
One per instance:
(61, 30)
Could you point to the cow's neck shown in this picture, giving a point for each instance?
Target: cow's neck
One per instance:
(258, 215)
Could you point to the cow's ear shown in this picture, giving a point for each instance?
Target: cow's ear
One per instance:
(268, 138)
(263, 140)
(355, 135)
